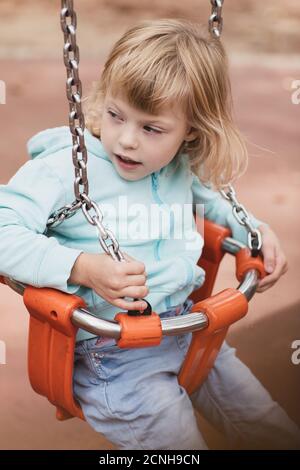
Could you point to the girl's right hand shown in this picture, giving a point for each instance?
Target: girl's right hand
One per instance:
(113, 280)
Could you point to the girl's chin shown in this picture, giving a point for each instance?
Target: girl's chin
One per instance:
(129, 175)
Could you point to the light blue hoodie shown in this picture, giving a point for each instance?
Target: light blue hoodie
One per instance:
(45, 183)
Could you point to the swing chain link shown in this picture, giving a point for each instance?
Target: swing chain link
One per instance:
(242, 216)
(215, 26)
(215, 22)
(58, 216)
(108, 241)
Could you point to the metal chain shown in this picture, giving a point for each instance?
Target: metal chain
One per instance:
(242, 216)
(106, 238)
(215, 26)
(215, 22)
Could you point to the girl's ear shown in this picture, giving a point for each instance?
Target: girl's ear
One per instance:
(191, 134)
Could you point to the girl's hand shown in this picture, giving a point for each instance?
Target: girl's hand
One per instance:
(275, 262)
(112, 280)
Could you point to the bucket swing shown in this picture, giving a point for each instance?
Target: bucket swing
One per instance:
(56, 316)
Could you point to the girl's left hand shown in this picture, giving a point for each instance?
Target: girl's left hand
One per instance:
(275, 262)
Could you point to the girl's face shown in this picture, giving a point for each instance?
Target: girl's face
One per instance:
(148, 142)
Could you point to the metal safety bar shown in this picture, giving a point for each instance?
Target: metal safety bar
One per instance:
(173, 326)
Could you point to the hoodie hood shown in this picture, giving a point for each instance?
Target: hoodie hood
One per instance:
(53, 140)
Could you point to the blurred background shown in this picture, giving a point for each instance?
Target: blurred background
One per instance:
(262, 41)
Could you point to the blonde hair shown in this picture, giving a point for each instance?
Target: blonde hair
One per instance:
(167, 61)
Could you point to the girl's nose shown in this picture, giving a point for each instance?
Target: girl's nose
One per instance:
(128, 139)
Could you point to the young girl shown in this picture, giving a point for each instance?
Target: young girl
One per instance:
(159, 132)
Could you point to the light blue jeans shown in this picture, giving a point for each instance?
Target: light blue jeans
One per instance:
(132, 396)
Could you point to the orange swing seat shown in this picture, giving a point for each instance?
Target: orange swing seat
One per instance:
(52, 335)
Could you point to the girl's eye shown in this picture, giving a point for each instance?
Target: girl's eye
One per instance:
(151, 129)
(112, 114)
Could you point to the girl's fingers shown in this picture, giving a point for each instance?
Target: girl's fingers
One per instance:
(127, 305)
(278, 271)
(271, 279)
(267, 286)
(117, 286)
(285, 266)
(269, 258)
(135, 280)
(134, 266)
(134, 291)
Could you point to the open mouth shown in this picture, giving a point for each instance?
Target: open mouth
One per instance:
(126, 161)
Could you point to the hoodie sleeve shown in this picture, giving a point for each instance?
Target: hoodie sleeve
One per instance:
(26, 254)
(212, 205)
